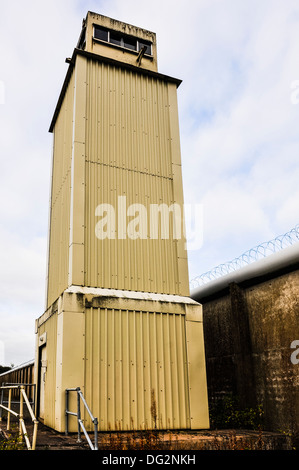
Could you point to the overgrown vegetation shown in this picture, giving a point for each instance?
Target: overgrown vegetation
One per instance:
(226, 413)
(153, 440)
(4, 369)
(11, 440)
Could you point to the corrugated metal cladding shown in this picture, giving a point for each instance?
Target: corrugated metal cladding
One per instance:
(23, 374)
(128, 120)
(126, 360)
(128, 153)
(140, 265)
(135, 360)
(60, 198)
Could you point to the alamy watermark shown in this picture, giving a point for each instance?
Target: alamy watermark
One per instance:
(2, 92)
(160, 221)
(295, 92)
(295, 354)
(2, 358)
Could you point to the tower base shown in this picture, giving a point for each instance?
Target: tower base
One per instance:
(137, 357)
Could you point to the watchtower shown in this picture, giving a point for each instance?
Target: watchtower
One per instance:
(119, 322)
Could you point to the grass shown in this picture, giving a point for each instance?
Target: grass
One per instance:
(11, 440)
(155, 440)
(227, 414)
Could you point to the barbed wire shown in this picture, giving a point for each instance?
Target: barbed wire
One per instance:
(254, 254)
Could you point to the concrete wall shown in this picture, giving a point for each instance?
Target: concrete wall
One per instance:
(248, 330)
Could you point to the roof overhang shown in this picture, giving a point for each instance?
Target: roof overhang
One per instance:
(107, 60)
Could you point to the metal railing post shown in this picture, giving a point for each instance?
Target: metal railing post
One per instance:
(66, 412)
(35, 425)
(78, 415)
(21, 415)
(96, 433)
(9, 406)
(1, 401)
(79, 420)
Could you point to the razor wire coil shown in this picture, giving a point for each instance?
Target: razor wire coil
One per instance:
(254, 254)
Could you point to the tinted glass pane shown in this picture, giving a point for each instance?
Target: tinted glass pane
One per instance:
(130, 43)
(101, 33)
(115, 38)
(147, 45)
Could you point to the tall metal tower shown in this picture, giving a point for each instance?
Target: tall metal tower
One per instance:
(119, 322)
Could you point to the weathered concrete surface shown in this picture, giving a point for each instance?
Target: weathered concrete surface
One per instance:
(248, 330)
(229, 439)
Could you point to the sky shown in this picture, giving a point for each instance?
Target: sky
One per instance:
(238, 114)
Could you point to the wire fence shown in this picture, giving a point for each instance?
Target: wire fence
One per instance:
(254, 254)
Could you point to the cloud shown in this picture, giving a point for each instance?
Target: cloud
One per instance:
(34, 42)
(239, 128)
(241, 161)
(22, 288)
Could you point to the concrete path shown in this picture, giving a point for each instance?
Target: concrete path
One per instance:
(48, 439)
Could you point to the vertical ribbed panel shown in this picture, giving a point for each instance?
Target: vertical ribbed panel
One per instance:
(60, 198)
(128, 153)
(132, 356)
(141, 264)
(127, 120)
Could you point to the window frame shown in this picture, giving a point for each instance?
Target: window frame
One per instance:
(122, 41)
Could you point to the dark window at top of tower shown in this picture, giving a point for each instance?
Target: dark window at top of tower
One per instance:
(130, 43)
(101, 33)
(115, 38)
(119, 39)
(145, 44)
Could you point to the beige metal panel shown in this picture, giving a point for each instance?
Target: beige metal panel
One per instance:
(58, 262)
(178, 186)
(69, 362)
(123, 130)
(148, 265)
(198, 392)
(50, 328)
(59, 243)
(197, 375)
(128, 153)
(128, 120)
(63, 134)
(77, 206)
(131, 357)
(129, 348)
(64, 326)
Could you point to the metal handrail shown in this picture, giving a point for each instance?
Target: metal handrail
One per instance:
(32, 403)
(78, 415)
(20, 415)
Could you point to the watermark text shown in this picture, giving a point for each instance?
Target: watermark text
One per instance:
(295, 92)
(2, 92)
(159, 221)
(2, 358)
(295, 354)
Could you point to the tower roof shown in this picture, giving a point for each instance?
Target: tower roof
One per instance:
(117, 40)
